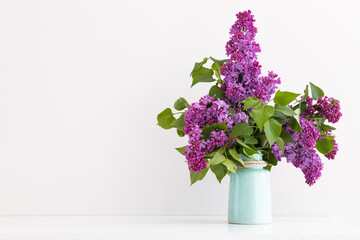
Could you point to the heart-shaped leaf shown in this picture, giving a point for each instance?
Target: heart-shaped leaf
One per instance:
(242, 128)
(316, 92)
(262, 115)
(272, 130)
(284, 98)
(165, 119)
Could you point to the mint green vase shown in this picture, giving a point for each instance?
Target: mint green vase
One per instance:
(250, 195)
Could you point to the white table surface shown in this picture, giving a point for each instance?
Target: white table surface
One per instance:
(174, 227)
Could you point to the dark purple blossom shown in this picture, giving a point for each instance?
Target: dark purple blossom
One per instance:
(310, 109)
(326, 107)
(329, 108)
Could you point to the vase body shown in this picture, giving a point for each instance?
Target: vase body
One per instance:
(250, 195)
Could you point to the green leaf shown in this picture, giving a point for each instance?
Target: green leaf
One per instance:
(318, 122)
(252, 102)
(272, 130)
(217, 91)
(286, 137)
(297, 116)
(216, 66)
(284, 98)
(316, 92)
(180, 133)
(262, 115)
(263, 140)
(306, 93)
(218, 158)
(219, 171)
(198, 65)
(214, 127)
(242, 128)
(181, 104)
(202, 75)
(285, 110)
(302, 106)
(329, 137)
(248, 150)
(281, 118)
(325, 145)
(268, 167)
(194, 176)
(294, 124)
(326, 128)
(181, 150)
(272, 159)
(210, 154)
(250, 140)
(236, 156)
(219, 62)
(179, 123)
(280, 114)
(280, 144)
(230, 165)
(248, 155)
(165, 119)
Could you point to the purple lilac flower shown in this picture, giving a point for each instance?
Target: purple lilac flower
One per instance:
(326, 107)
(310, 109)
(206, 112)
(310, 164)
(233, 92)
(242, 72)
(301, 153)
(195, 156)
(235, 119)
(219, 137)
(329, 109)
(310, 133)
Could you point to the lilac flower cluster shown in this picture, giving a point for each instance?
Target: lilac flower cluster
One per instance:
(242, 72)
(204, 113)
(326, 107)
(301, 152)
(242, 79)
(329, 109)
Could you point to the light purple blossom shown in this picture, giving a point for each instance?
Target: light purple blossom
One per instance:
(242, 72)
(301, 152)
(205, 113)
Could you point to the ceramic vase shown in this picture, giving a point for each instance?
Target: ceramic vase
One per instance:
(250, 195)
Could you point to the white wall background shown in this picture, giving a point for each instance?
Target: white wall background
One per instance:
(81, 83)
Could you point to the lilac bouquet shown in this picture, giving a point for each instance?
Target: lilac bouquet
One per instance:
(244, 114)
